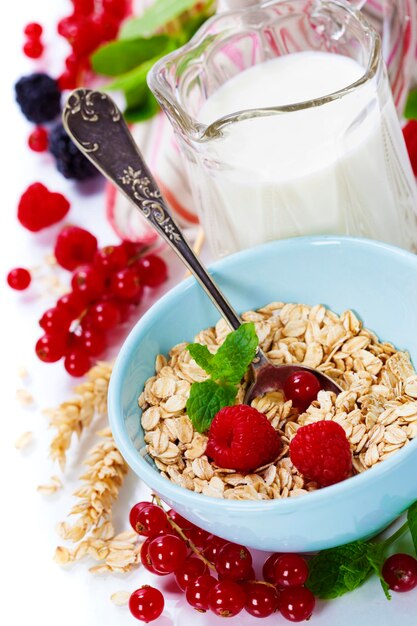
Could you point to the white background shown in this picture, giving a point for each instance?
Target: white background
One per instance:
(34, 588)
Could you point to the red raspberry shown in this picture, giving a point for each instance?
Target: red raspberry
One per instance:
(39, 208)
(75, 246)
(241, 438)
(321, 452)
(410, 136)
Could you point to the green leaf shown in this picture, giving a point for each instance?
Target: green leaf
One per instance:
(206, 399)
(410, 112)
(133, 79)
(232, 359)
(119, 57)
(336, 571)
(412, 523)
(144, 110)
(156, 16)
(201, 355)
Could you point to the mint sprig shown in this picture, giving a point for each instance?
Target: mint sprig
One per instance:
(163, 27)
(226, 369)
(336, 571)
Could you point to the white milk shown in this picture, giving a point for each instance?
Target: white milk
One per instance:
(340, 168)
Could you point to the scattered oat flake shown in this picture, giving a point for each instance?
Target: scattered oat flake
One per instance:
(22, 372)
(24, 397)
(50, 488)
(24, 440)
(62, 555)
(120, 598)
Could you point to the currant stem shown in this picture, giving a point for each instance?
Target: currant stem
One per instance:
(184, 536)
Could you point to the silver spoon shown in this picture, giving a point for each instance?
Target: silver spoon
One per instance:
(97, 127)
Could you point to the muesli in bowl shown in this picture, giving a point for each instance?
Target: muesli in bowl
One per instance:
(372, 418)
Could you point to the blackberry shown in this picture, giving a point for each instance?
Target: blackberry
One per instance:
(39, 97)
(69, 160)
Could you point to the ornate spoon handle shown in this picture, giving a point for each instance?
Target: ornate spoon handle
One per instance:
(97, 126)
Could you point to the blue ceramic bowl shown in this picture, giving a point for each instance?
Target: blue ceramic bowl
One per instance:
(379, 283)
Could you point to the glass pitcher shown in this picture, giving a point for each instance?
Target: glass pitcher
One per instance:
(311, 159)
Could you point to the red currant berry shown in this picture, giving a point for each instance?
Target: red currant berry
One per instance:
(55, 321)
(83, 7)
(189, 571)
(51, 348)
(152, 270)
(132, 250)
(227, 598)
(268, 569)
(105, 27)
(125, 284)
(146, 603)
(290, 570)
(180, 521)
(77, 363)
(72, 63)
(88, 281)
(167, 553)
(104, 315)
(33, 30)
(111, 258)
(19, 278)
(197, 536)
(198, 592)
(400, 572)
(234, 562)
(33, 49)
(72, 303)
(145, 558)
(91, 341)
(74, 246)
(118, 8)
(302, 388)
(68, 80)
(213, 547)
(151, 520)
(261, 600)
(38, 139)
(134, 511)
(296, 603)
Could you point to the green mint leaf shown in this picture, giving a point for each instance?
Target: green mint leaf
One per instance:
(235, 354)
(201, 355)
(119, 57)
(336, 571)
(376, 556)
(206, 399)
(412, 523)
(232, 359)
(154, 18)
(142, 112)
(410, 112)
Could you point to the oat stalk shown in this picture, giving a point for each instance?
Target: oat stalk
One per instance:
(73, 416)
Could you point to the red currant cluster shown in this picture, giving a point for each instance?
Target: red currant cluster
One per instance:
(107, 283)
(91, 24)
(33, 46)
(215, 574)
